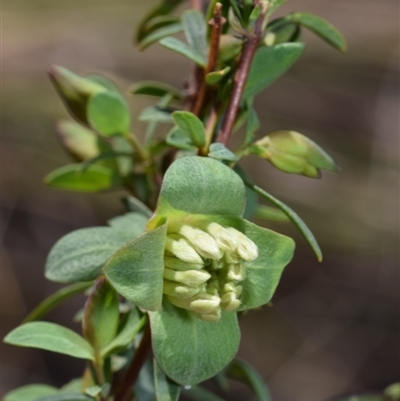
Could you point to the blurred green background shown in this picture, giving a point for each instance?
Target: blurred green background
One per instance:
(334, 327)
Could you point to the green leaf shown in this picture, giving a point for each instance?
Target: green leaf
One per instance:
(71, 177)
(182, 48)
(263, 274)
(229, 48)
(80, 255)
(190, 125)
(251, 196)
(211, 177)
(73, 386)
(198, 393)
(153, 88)
(253, 124)
(294, 218)
(31, 392)
(165, 389)
(178, 139)
(104, 81)
(269, 64)
(133, 324)
(131, 225)
(108, 113)
(136, 270)
(242, 371)
(160, 34)
(320, 27)
(137, 206)
(56, 299)
(270, 213)
(50, 337)
(194, 26)
(74, 90)
(162, 8)
(212, 78)
(80, 142)
(220, 152)
(101, 316)
(155, 114)
(294, 153)
(281, 31)
(190, 350)
(125, 161)
(157, 23)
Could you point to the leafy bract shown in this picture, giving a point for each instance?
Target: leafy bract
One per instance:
(31, 392)
(320, 27)
(190, 350)
(269, 64)
(221, 152)
(153, 88)
(179, 140)
(108, 113)
(217, 191)
(136, 270)
(94, 178)
(80, 255)
(275, 251)
(191, 126)
(165, 389)
(50, 337)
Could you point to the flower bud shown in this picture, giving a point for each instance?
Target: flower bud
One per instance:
(246, 248)
(178, 290)
(231, 287)
(230, 302)
(202, 242)
(192, 278)
(209, 317)
(225, 240)
(178, 264)
(205, 303)
(182, 250)
(236, 272)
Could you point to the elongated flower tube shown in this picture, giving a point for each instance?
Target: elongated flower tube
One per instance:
(198, 263)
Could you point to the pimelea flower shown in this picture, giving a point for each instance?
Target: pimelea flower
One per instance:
(198, 263)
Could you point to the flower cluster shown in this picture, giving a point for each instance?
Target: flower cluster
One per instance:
(204, 268)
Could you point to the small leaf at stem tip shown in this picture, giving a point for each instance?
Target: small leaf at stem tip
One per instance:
(182, 48)
(56, 299)
(31, 392)
(292, 152)
(160, 34)
(320, 27)
(220, 152)
(190, 125)
(214, 77)
(178, 139)
(294, 218)
(153, 88)
(244, 372)
(108, 113)
(50, 337)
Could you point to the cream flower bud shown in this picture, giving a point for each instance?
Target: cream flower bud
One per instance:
(205, 303)
(236, 272)
(246, 248)
(178, 264)
(178, 290)
(225, 240)
(204, 244)
(192, 278)
(210, 317)
(230, 302)
(182, 250)
(231, 287)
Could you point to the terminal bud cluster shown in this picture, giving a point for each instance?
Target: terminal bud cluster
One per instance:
(204, 268)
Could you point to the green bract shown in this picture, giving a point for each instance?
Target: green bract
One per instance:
(197, 264)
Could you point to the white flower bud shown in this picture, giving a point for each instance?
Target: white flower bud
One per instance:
(178, 290)
(205, 303)
(236, 272)
(231, 287)
(246, 248)
(178, 264)
(225, 240)
(209, 317)
(204, 244)
(192, 278)
(182, 250)
(230, 302)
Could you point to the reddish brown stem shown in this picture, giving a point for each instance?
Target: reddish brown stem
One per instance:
(124, 391)
(217, 23)
(240, 79)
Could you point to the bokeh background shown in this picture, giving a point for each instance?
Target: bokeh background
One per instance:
(334, 327)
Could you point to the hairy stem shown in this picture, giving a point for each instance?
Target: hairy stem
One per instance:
(124, 391)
